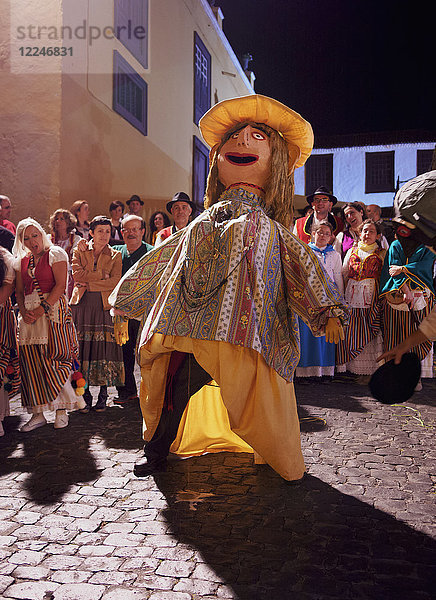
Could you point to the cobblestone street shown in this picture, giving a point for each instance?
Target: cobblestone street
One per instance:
(76, 524)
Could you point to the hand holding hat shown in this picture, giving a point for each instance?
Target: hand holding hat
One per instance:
(395, 382)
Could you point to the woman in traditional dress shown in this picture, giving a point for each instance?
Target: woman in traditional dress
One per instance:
(63, 234)
(406, 287)
(361, 271)
(9, 364)
(47, 339)
(317, 357)
(158, 221)
(219, 297)
(80, 210)
(96, 271)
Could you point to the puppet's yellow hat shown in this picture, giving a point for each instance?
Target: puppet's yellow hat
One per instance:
(296, 131)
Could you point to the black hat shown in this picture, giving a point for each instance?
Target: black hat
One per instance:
(393, 383)
(180, 197)
(135, 197)
(325, 192)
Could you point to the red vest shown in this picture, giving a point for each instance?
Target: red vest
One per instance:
(369, 268)
(304, 226)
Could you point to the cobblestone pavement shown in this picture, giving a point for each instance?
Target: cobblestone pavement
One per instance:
(77, 525)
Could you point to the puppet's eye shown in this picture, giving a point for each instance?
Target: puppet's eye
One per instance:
(258, 136)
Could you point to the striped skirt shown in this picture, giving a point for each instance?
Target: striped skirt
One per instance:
(101, 358)
(364, 326)
(9, 363)
(398, 324)
(45, 383)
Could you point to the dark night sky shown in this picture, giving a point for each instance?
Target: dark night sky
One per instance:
(348, 66)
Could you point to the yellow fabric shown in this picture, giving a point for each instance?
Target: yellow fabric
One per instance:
(296, 131)
(260, 404)
(205, 426)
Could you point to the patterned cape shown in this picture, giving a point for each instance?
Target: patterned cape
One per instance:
(232, 275)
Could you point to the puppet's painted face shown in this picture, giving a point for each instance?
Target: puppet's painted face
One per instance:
(245, 157)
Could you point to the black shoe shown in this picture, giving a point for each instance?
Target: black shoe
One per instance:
(296, 481)
(88, 399)
(121, 400)
(102, 399)
(147, 466)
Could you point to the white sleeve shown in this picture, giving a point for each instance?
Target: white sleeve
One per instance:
(384, 242)
(9, 264)
(337, 244)
(57, 254)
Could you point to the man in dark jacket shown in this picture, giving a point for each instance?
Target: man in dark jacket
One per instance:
(134, 248)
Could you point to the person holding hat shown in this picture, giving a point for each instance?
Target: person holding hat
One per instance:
(181, 208)
(406, 287)
(220, 298)
(322, 202)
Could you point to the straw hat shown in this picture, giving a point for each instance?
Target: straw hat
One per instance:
(295, 130)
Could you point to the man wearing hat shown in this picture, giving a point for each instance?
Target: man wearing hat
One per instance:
(220, 298)
(135, 203)
(322, 202)
(181, 209)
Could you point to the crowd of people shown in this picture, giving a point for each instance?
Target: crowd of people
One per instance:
(386, 275)
(63, 277)
(55, 319)
(231, 297)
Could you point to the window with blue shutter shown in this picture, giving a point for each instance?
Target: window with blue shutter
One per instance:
(131, 27)
(202, 67)
(129, 94)
(200, 167)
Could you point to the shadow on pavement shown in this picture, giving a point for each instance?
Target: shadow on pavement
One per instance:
(333, 395)
(265, 539)
(56, 459)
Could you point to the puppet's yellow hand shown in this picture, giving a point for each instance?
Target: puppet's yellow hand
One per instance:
(334, 331)
(121, 331)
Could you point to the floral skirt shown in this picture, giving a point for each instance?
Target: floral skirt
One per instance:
(100, 357)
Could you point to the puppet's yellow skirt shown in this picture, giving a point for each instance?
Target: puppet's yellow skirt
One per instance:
(254, 408)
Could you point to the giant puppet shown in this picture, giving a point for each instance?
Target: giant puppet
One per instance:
(220, 299)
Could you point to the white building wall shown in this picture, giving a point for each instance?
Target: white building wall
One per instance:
(349, 171)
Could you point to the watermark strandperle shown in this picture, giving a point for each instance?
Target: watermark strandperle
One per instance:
(84, 31)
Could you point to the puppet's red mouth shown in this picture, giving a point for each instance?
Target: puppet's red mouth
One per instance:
(241, 159)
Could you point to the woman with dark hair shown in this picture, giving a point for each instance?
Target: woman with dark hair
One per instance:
(353, 215)
(80, 210)
(47, 339)
(96, 271)
(158, 221)
(9, 367)
(63, 234)
(116, 210)
(361, 270)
